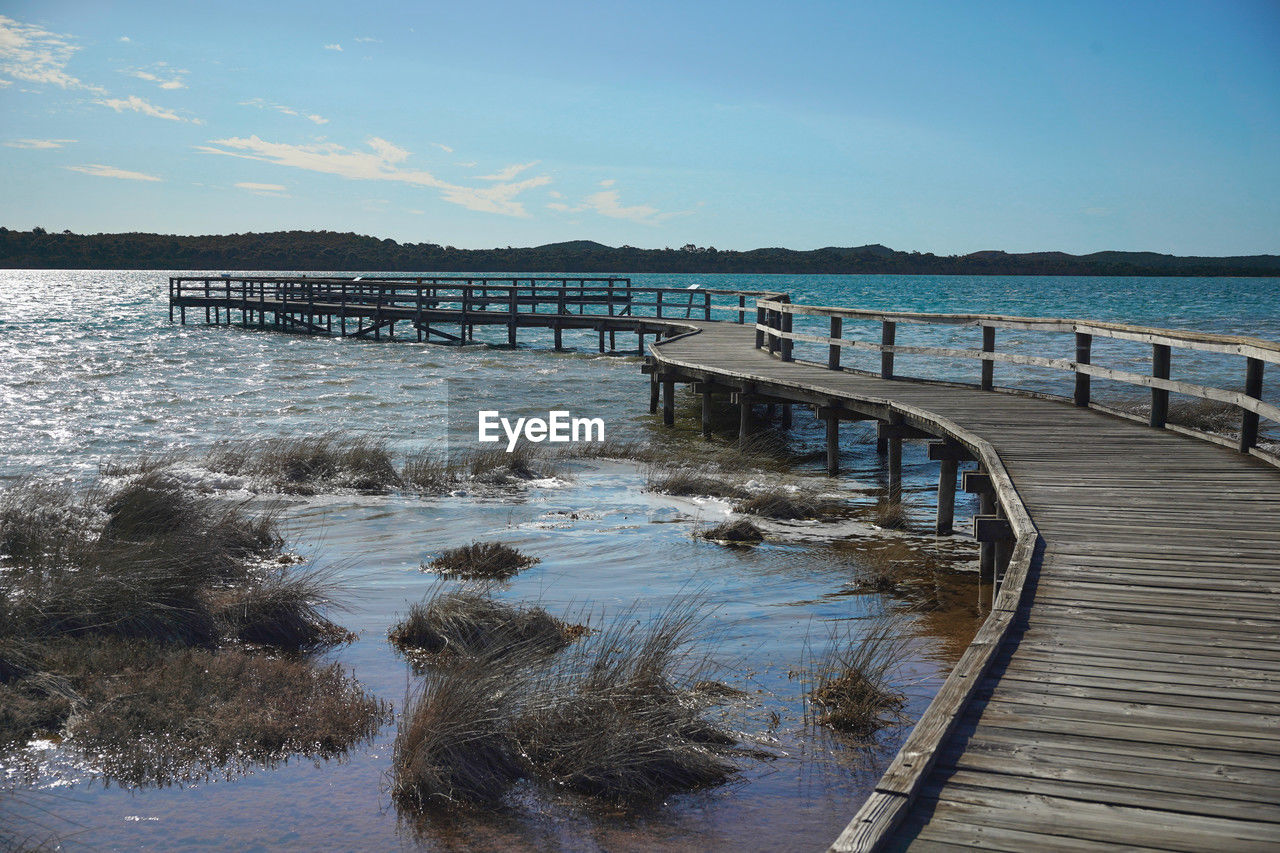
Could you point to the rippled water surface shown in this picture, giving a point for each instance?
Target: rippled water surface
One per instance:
(91, 370)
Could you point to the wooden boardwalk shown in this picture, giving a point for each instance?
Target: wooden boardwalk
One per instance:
(1125, 689)
(1135, 699)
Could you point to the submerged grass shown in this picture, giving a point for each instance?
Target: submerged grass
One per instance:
(468, 624)
(690, 482)
(130, 616)
(615, 717)
(788, 505)
(481, 561)
(309, 464)
(850, 688)
(736, 531)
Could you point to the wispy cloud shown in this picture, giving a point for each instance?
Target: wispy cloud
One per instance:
(36, 55)
(445, 148)
(140, 105)
(125, 39)
(37, 143)
(509, 172)
(271, 190)
(171, 80)
(101, 171)
(368, 40)
(608, 202)
(336, 47)
(263, 104)
(384, 161)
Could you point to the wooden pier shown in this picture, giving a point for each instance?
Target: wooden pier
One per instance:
(1124, 688)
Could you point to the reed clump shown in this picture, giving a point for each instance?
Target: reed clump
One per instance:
(850, 690)
(890, 514)
(468, 624)
(432, 471)
(130, 615)
(787, 505)
(737, 531)
(481, 561)
(307, 465)
(690, 482)
(615, 717)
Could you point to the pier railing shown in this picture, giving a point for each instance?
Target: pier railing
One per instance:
(610, 297)
(781, 326)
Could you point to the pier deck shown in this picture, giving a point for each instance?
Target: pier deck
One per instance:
(1124, 690)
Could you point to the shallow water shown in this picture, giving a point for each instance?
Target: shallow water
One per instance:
(93, 371)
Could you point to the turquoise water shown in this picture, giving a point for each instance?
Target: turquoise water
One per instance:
(91, 370)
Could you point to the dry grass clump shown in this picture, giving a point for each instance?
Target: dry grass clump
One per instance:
(481, 561)
(615, 718)
(736, 531)
(787, 505)
(113, 608)
(310, 464)
(890, 514)
(465, 624)
(850, 689)
(688, 482)
(150, 715)
(1211, 416)
(432, 471)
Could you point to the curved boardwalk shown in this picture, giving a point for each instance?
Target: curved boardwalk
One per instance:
(1133, 700)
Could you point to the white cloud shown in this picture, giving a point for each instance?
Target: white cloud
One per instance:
(264, 104)
(140, 105)
(383, 162)
(509, 172)
(5, 83)
(368, 40)
(37, 143)
(274, 190)
(445, 148)
(101, 171)
(336, 47)
(125, 39)
(608, 183)
(32, 53)
(174, 81)
(609, 203)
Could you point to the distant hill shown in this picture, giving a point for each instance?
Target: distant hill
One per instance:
(329, 250)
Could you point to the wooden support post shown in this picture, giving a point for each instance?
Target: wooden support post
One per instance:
(744, 412)
(613, 343)
(1084, 352)
(833, 445)
(888, 333)
(602, 341)
(882, 444)
(988, 366)
(742, 310)
(668, 402)
(653, 393)
(833, 351)
(895, 469)
(1160, 359)
(786, 416)
(1252, 388)
(785, 323)
(559, 337)
(640, 343)
(986, 548)
(947, 496)
(182, 314)
(706, 410)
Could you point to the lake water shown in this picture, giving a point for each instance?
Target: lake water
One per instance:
(91, 370)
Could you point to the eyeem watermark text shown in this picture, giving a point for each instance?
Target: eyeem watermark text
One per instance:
(559, 426)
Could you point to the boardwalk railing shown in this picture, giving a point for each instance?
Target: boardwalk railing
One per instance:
(610, 297)
(776, 331)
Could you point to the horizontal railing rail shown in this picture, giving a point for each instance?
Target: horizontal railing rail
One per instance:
(616, 297)
(776, 333)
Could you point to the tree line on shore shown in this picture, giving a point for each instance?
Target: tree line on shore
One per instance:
(329, 250)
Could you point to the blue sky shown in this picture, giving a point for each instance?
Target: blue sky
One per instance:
(943, 127)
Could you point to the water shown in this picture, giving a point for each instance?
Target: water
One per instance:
(93, 371)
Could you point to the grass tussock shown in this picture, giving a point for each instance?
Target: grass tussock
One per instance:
(787, 505)
(736, 531)
(308, 465)
(690, 482)
(431, 471)
(850, 689)
(139, 609)
(890, 514)
(472, 625)
(616, 718)
(481, 561)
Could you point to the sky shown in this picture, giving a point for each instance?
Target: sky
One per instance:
(942, 127)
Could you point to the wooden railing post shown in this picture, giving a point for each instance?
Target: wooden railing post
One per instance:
(742, 309)
(1252, 388)
(786, 321)
(1160, 359)
(706, 305)
(833, 351)
(1084, 352)
(888, 333)
(760, 321)
(988, 366)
